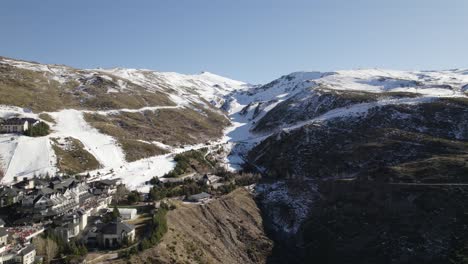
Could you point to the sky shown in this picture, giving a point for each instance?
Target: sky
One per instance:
(250, 40)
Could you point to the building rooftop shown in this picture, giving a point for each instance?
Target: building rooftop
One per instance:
(19, 121)
(14, 121)
(127, 210)
(3, 232)
(28, 249)
(9, 191)
(199, 196)
(112, 227)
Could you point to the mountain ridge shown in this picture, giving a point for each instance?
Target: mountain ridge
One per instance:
(308, 133)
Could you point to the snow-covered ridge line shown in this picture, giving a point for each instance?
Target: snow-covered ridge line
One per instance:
(182, 89)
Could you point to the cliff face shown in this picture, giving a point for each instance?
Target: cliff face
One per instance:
(227, 230)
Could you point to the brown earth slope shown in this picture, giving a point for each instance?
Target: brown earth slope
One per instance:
(227, 230)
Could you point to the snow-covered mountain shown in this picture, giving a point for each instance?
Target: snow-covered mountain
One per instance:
(98, 109)
(318, 138)
(302, 98)
(350, 147)
(256, 111)
(83, 103)
(181, 88)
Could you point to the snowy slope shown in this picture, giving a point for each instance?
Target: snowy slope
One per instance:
(248, 107)
(22, 156)
(185, 88)
(182, 89)
(433, 83)
(103, 147)
(451, 83)
(8, 144)
(245, 104)
(31, 156)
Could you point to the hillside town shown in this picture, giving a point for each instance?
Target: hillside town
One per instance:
(92, 214)
(59, 207)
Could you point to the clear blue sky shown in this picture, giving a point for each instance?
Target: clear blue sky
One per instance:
(250, 40)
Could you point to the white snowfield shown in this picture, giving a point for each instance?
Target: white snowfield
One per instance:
(32, 156)
(185, 88)
(22, 156)
(136, 174)
(103, 147)
(431, 83)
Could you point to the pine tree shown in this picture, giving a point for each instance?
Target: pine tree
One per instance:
(115, 213)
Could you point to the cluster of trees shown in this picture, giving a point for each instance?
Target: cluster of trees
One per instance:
(74, 249)
(46, 247)
(158, 229)
(39, 130)
(162, 190)
(133, 197)
(227, 188)
(234, 180)
(243, 179)
(125, 196)
(188, 187)
(120, 193)
(184, 162)
(50, 246)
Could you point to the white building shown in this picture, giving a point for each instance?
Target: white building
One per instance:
(128, 213)
(17, 125)
(27, 255)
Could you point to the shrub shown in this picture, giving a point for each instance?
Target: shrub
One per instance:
(133, 197)
(159, 225)
(124, 254)
(133, 251)
(39, 130)
(225, 189)
(145, 244)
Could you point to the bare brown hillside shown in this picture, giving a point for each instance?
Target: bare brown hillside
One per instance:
(227, 230)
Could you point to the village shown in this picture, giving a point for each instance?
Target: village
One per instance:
(72, 218)
(72, 210)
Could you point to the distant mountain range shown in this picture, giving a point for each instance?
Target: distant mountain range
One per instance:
(359, 166)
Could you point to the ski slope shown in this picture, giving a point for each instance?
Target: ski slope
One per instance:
(31, 156)
(103, 147)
